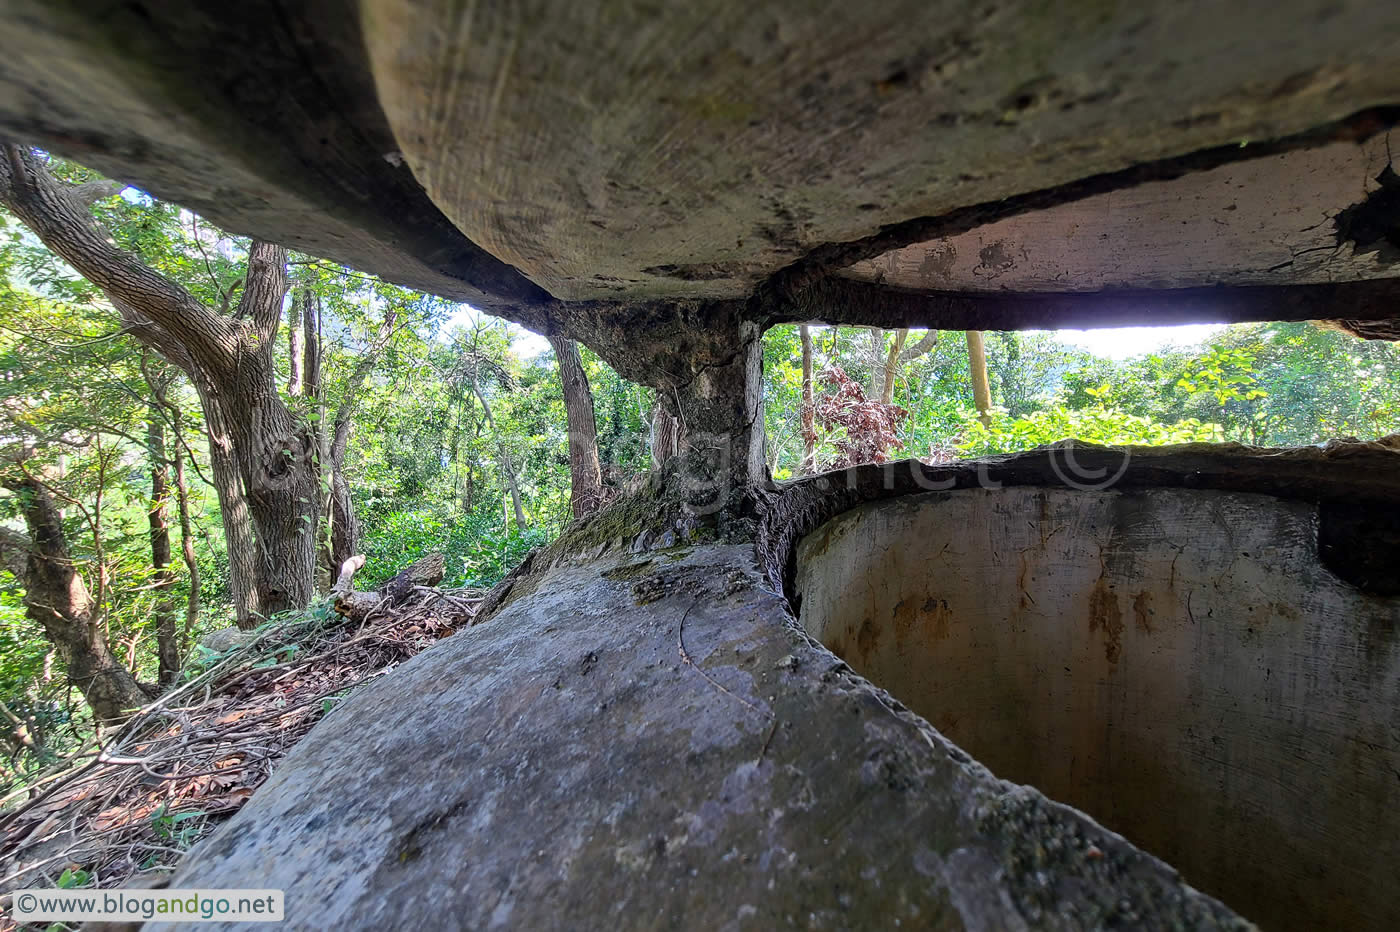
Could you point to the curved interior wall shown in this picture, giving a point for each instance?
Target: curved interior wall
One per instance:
(1177, 664)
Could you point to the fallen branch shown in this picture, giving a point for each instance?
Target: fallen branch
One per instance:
(358, 606)
(205, 746)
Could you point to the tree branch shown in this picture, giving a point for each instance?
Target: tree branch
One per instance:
(924, 344)
(14, 550)
(90, 192)
(61, 220)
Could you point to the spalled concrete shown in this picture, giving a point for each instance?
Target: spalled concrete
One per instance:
(1178, 664)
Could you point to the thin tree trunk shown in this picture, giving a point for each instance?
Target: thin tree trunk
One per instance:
(294, 345)
(158, 517)
(981, 390)
(809, 406)
(507, 467)
(57, 599)
(585, 473)
(877, 362)
(182, 505)
(344, 525)
(311, 352)
(900, 355)
(891, 369)
(160, 390)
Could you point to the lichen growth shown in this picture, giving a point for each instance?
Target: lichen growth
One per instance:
(1050, 859)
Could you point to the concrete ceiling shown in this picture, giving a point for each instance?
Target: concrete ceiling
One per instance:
(549, 160)
(1261, 222)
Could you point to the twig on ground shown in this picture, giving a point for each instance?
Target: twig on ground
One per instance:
(206, 745)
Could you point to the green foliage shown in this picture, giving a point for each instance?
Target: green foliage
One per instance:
(176, 829)
(72, 879)
(1267, 384)
(479, 549)
(1096, 424)
(1226, 373)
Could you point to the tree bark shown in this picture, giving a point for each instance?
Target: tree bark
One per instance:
(160, 391)
(182, 505)
(981, 390)
(294, 345)
(57, 599)
(585, 473)
(263, 459)
(890, 369)
(809, 406)
(344, 525)
(900, 355)
(163, 579)
(877, 357)
(665, 435)
(311, 338)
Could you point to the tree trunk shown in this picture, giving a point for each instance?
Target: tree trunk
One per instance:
(507, 466)
(182, 505)
(877, 361)
(57, 599)
(263, 459)
(345, 526)
(294, 346)
(163, 579)
(809, 406)
(160, 390)
(240, 541)
(981, 391)
(900, 355)
(891, 368)
(311, 338)
(665, 435)
(585, 473)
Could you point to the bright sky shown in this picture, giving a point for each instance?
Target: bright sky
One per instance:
(1122, 342)
(1112, 342)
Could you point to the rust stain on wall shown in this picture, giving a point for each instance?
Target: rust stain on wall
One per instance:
(906, 612)
(867, 638)
(1105, 615)
(1143, 611)
(939, 616)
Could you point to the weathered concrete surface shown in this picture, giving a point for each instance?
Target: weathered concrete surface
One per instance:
(692, 150)
(553, 161)
(1259, 222)
(649, 741)
(1177, 663)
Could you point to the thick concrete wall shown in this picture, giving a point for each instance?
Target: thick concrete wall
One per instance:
(1179, 665)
